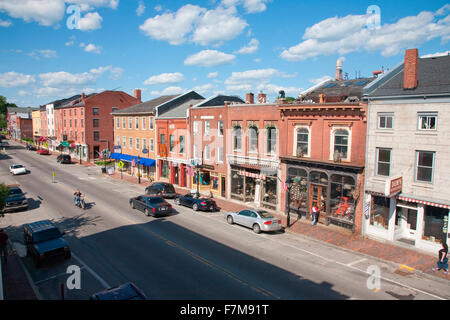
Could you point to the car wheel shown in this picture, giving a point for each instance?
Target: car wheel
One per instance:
(147, 213)
(230, 220)
(177, 201)
(132, 205)
(195, 207)
(256, 228)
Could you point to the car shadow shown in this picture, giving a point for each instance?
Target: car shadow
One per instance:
(33, 204)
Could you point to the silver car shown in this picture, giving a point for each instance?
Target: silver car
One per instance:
(258, 220)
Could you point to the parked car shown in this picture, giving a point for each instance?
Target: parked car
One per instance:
(258, 220)
(64, 158)
(17, 169)
(155, 206)
(30, 147)
(44, 241)
(15, 200)
(127, 291)
(43, 152)
(161, 189)
(4, 144)
(196, 202)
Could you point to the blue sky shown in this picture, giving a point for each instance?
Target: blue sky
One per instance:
(227, 46)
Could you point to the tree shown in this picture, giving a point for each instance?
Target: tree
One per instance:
(4, 104)
(4, 191)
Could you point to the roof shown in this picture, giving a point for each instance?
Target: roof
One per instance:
(177, 107)
(337, 90)
(180, 111)
(62, 102)
(218, 100)
(433, 78)
(20, 110)
(146, 107)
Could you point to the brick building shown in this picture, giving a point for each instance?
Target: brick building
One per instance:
(207, 127)
(19, 123)
(323, 151)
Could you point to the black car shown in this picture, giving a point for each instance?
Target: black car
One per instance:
(196, 202)
(127, 291)
(44, 241)
(161, 189)
(155, 206)
(30, 147)
(15, 200)
(64, 158)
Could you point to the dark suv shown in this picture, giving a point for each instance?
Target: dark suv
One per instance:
(161, 189)
(64, 158)
(44, 241)
(15, 200)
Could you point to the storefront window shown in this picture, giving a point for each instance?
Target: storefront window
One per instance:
(250, 185)
(270, 191)
(379, 216)
(319, 177)
(165, 169)
(342, 197)
(299, 189)
(205, 178)
(215, 182)
(237, 185)
(434, 223)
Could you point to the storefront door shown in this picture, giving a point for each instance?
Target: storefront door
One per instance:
(405, 223)
(318, 197)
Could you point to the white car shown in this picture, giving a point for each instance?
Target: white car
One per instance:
(17, 169)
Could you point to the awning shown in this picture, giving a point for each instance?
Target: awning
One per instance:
(428, 203)
(128, 158)
(252, 175)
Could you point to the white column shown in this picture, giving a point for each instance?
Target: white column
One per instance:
(392, 213)
(366, 217)
(420, 223)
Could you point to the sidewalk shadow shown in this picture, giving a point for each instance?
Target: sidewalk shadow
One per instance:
(33, 204)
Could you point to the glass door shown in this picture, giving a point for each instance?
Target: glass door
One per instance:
(318, 197)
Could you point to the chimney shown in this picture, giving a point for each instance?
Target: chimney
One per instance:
(321, 98)
(262, 98)
(411, 69)
(137, 94)
(250, 98)
(338, 75)
(83, 96)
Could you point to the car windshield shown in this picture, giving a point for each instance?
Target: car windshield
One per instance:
(264, 214)
(17, 166)
(170, 189)
(46, 235)
(156, 200)
(15, 191)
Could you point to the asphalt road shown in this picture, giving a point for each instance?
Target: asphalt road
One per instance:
(185, 255)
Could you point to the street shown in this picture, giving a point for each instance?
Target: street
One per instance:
(186, 255)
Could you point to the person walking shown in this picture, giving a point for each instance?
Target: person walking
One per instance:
(315, 214)
(443, 259)
(3, 245)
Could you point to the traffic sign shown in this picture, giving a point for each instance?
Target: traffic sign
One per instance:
(121, 164)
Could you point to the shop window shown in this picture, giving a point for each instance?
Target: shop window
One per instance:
(205, 178)
(250, 187)
(165, 169)
(299, 189)
(215, 182)
(383, 162)
(319, 177)
(342, 197)
(270, 192)
(424, 166)
(237, 185)
(434, 223)
(379, 215)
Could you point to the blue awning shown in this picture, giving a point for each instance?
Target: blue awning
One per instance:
(128, 158)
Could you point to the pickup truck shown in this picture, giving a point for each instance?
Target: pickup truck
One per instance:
(15, 199)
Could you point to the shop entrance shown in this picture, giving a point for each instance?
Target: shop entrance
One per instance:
(318, 197)
(405, 223)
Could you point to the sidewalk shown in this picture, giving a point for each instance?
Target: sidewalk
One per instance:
(409, 260)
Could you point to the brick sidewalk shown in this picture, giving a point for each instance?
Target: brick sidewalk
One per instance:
(408, 258)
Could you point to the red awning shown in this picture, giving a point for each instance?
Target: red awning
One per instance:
(252, 175)
(428, 203)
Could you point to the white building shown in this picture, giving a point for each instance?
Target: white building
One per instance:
(407, 194)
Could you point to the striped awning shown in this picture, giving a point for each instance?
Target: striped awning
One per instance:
(428, 203)
(252, 175)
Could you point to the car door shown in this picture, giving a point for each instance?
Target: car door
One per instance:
(186, 200)
(242, 217)
(139, 204)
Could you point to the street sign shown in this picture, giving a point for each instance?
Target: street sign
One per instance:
(118, 149)
(121, 164)
(144, 151)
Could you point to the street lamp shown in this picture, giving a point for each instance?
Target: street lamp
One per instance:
(139, 169)
(288, 186)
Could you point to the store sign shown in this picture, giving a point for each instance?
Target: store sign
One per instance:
(393, 186)
(208, 167)
(118, 149)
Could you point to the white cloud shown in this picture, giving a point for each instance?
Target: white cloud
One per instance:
(89, 5)
(48, 54)
(213, 74)
(140, 9)
(168, 91)
(321, 79)
(91, 21)
(259, 75)
(62, 78)
(165, 78)
(14, 79)
(158, 8)
(443, 10)
(209, 58)
(205, 26)
(5, 24)
(116, 73)
(44, 12)
(217, 26)
(69, 43)
(437, 54)
(204, 89)
(252, 47)
(93, 48)
(349, 34)
(251, 6)
(172, 27)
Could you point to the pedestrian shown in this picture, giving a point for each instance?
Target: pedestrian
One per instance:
(443, 258)
(315, 214)
(3, 245)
